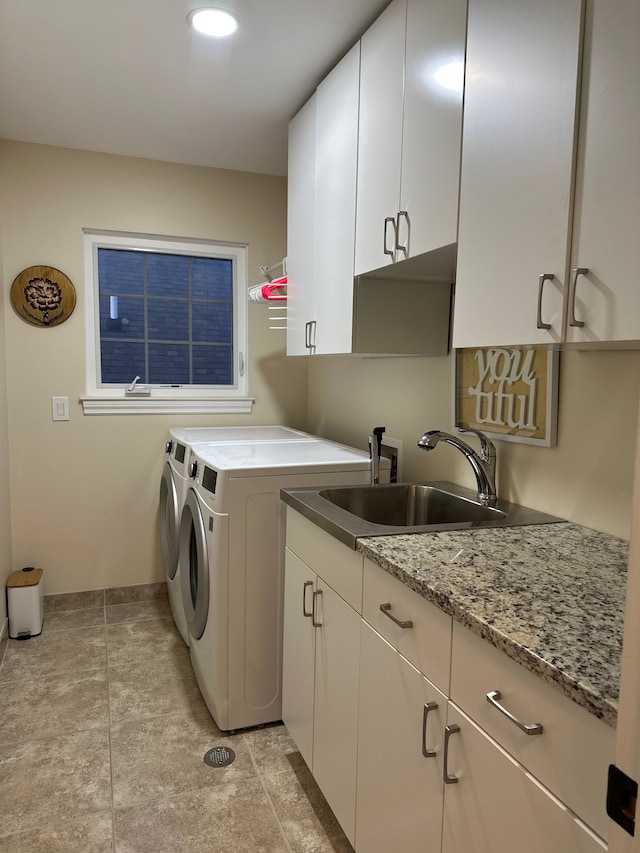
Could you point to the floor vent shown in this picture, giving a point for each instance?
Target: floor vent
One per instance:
(219, 756)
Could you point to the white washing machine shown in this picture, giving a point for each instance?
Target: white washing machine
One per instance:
(232, 566)
(173, 491)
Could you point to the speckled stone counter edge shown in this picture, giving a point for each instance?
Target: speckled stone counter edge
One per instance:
(402, 557)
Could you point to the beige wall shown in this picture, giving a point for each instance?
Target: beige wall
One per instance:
(587, 478)
(5, 509)
(84, 493)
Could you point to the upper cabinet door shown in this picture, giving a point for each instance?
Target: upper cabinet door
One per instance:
(380, 138)
(300, 230)
(432, 126)
(606, 297)
(336, 161)
(517, 164)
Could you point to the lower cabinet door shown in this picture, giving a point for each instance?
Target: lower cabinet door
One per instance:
(335, 729)
(400, 789)
(298, 654)
(497, 807)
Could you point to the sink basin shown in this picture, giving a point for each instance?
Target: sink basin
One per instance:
(409, 504)
(351, 512)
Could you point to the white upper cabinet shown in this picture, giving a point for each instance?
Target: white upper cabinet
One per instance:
(517, 163)
(409, 132)
(300, 234)
(607, 208)
(336, 160)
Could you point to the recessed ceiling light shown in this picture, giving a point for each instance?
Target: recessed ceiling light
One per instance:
(213, 22)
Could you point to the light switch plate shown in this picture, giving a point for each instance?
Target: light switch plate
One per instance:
(60, 408)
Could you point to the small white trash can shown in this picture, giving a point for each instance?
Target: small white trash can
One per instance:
(25, 603)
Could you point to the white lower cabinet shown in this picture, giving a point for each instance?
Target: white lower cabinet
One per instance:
(408, 765)
(401, 724)
(321, 659)
(495, 806)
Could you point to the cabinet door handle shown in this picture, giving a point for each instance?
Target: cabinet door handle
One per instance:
(546, 276)
(310, 326)
(493, 698)
(403, 623)
(576, 275)
(304, 599)
(430, 706)
(404, 249)
(449, 730)
(389, 220)
(314, 621)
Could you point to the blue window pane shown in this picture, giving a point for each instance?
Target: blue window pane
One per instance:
(169, 364)
(168, 320)
(120, 271)
(212, 323)
(121, 361)
(167, 275)
(212, 365)
(211, 278)
(121, 316)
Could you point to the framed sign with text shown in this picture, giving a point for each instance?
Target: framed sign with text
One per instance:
(509, 393)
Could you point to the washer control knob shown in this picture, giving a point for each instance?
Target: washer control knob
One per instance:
(168, 447)
(193, 470)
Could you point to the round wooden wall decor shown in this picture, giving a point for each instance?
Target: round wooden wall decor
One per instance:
(43, 296)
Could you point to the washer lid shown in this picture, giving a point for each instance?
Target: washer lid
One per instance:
(272, 457)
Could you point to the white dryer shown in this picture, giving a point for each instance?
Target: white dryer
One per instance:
(173, 491)
(232, 566)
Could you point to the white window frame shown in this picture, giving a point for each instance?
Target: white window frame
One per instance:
(195, 399)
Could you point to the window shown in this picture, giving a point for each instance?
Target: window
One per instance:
(166, 324)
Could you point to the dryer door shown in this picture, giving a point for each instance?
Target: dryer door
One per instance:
(194, 566)
(169, 521)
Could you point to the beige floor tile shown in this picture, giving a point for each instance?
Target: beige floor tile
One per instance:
(152, 688)
(48, 706)
(273, 750)
(161, 756)
(141, 641)
(55, 653)
(73, 619)
(92, 834)
(231, 818)
(138, 611)
(51, 780)
(308, 823)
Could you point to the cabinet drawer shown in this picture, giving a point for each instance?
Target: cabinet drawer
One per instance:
(572, 754)
(339, 566)
(497, 807)
(427, 644)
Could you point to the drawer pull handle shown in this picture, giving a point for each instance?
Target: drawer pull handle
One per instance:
(304, 599)
(449, 730)
(314, 620)
(430, 706)
(493, 698)
(403, 623)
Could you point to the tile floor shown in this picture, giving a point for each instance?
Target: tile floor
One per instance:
(102, 738)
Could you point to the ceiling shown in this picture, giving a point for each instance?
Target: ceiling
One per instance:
(130, 77)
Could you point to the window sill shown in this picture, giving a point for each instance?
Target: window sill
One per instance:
(166, 405)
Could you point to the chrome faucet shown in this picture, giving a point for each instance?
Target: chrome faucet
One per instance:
(484, 465)
(375, 449)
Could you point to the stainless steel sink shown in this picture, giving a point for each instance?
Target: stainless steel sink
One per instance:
(351, 512)
(409, 504)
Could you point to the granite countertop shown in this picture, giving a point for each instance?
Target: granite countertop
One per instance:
(550, 596)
